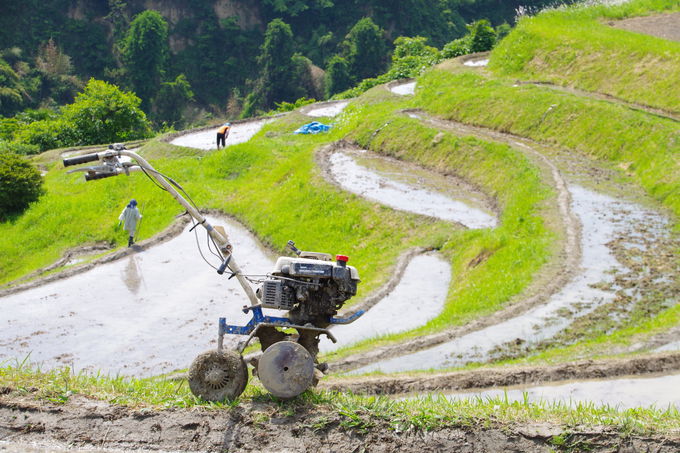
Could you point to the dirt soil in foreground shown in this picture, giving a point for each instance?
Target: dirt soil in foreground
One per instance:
(263, 425)
(260, 427)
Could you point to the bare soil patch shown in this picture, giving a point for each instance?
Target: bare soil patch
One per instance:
(665, 26)
(264, 426)
(507, 376)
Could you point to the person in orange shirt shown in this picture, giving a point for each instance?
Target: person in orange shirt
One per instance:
(222, 134)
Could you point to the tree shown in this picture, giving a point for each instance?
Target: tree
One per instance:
(366, 49)
(145, 51)
(412, 57)
(295, 7)
(172, 98)
(337, 76)
(11, 91)
(55, 66)
(20, 185)
(102, 113)
(482, 36)
(277, 77)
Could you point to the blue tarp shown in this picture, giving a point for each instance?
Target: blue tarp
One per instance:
(312, 128)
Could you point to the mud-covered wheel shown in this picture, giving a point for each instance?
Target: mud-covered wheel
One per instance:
(286, 369)
(217, 376)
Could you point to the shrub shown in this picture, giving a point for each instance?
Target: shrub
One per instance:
(457, 47)
(18, 148)
(20, 184)
(103, 113)
(284, 106)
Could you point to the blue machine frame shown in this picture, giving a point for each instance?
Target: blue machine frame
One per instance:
(260, 319)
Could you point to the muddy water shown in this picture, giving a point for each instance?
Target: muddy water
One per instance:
(404, 189)
(477, 63)
(207, 139)
(660, 392)
(674, 346)
(404, 89)
(145, 314)
(328, 109)
(418, 297)
(153, 312)
(602, 219)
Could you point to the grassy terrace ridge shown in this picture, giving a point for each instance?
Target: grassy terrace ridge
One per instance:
(264, 183)
(272, 184)
(645, 145)
(356, 413)
(575, 47)
(516, 249)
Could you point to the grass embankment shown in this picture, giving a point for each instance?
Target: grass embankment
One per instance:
(271, 184)
(575, 47)
(489, 266)
(643, 146)
(644, 149)
(349, 412)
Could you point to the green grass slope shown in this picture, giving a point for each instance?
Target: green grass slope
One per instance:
(645, 145)
(575, 47)
(274, 186)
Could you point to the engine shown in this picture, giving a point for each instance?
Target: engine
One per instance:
(312, 288)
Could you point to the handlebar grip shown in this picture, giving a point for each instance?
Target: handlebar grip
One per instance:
(93, 176)
(223, 266)
(80, 159)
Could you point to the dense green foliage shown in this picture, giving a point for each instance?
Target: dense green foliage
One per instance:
(277, 80)
(102, 113)
(20, 185)
(145, 51)
(11, 91)
(366, 49)
(337, 76)
(412, 56)
(122, 43)
(171, 100)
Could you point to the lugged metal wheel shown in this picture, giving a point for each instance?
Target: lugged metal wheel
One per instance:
(217, 376)
(286, 369)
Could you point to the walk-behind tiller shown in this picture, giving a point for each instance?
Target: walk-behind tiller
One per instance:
(310, 287)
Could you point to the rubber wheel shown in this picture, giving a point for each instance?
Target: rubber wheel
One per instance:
(218, 376)
(286, 369)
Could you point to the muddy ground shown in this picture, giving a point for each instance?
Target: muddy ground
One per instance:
(269, 427)
(506, 376)
(665, 26)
